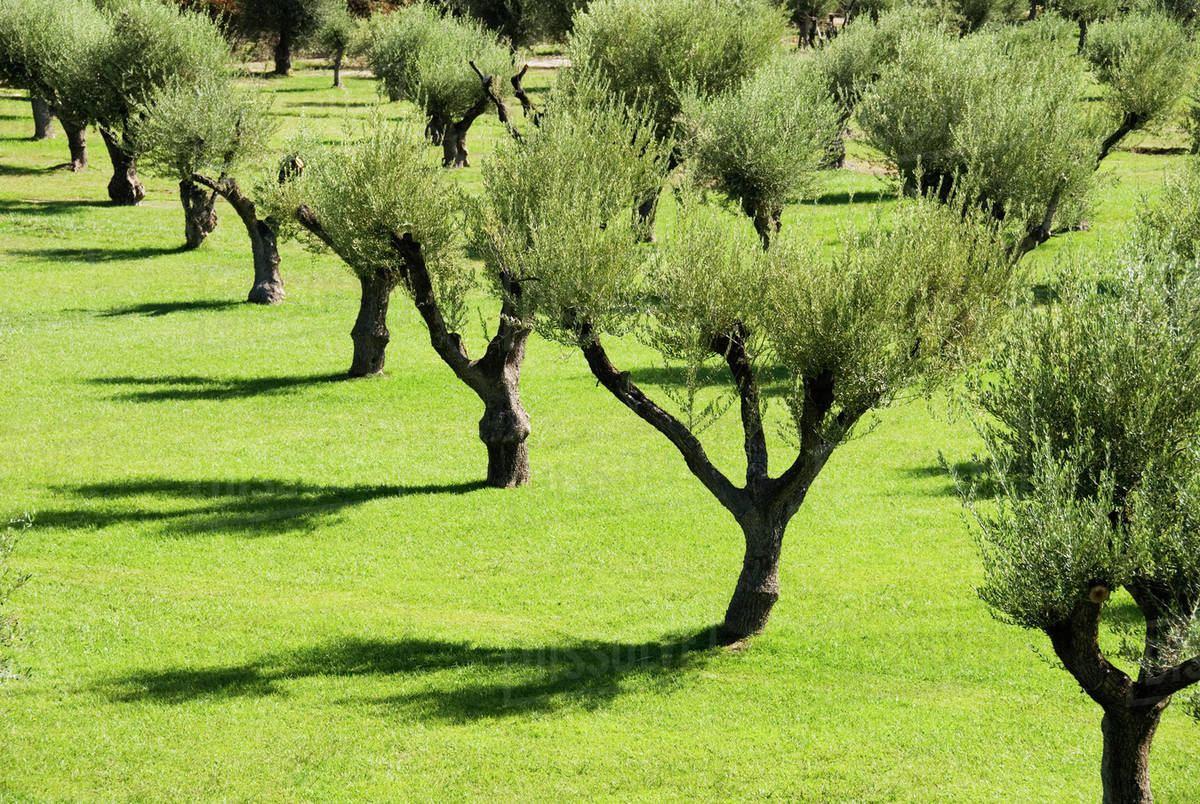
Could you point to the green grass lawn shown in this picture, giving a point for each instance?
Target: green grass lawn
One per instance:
(254, 580)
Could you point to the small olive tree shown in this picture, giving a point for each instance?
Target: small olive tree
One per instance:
(44, 47)
(147, 46)
(1091, 414)
(762, 143)
(425, 57)
(1085, 13)
(337, 36)
(204, 134)
(1143, 60)
(393, 218)
(897, 307)
(287, 22)
(997, 122)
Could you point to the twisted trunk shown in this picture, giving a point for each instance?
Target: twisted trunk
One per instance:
(43, 119)
(370, 334)
(124, 188)
(768, 219)
(454, 137)
(504, 429)
(758, 584)
(199, 213)
(337, 69)
(1125, 767)
(283, 53)
(268, 285)
(77, 143)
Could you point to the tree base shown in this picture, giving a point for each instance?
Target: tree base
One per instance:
(266, 294)
(508, 465)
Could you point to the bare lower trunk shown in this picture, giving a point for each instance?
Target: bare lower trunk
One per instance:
(1083, 32)
(283, 54)
(43, 119)
(647, 212)
(370, 333)
(758, 585)
(767, 219)
(337, 69)
(77, 143)
(268, 284)
(1125, 768)
(124, 188)
(199, 213)
(504, 429)
(454, 144)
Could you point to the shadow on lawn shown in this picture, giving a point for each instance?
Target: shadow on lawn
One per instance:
(102, 254)
(155, 309)
(47, 208)
(187, 507)
(864, 197)
(973, 476)
(185, 387)
(479, 682)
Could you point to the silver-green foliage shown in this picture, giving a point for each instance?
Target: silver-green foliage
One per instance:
(1144, 60)
(337, 30)
(423, 57)
(763, 142)
(371, 188)
(652, 52)
(211, 126)
(1173, 224)
(46, 47)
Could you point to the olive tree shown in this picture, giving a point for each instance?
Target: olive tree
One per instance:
(1091, 414)
(807, 16)
(1143, 61)
(424, 57)
(337, 36)
(287, 22)
(762, 142)
(205, 135)
(521, 22)
(1085, 13)
(998, 123)
(896, 308)
(44, 48)
(394, 219)
(147, 46)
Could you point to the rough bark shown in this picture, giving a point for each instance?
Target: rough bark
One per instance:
(268, 284)
(370, 334)
(43, 119)
(768, 219)
(1125, 766)
(1083, 32)
(504, 430)
(77, 143)
(124, 187)
(199, 212)
(454, 138)
(337, 69)
(283, 53)
(757, 587)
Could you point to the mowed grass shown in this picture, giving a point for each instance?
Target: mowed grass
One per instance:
(254, 580)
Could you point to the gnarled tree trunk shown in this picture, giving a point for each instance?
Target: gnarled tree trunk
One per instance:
(43, 119)
(199, 212)
(124, 187)
(454, 138)
(268, 285)
(337, 68)
(283, 53)
(758, 584)
(1125, 767)
(768, 219)
(504, 427)
(370, 333)
(77, 143)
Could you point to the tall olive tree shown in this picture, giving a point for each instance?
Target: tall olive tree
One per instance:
(425, 57)
(762, 142)
(204, 134)
(393, 218)
(896, 308)
(147, 46)
(1143, 60)
(286, 22)
(45, 47)
(1091, 412)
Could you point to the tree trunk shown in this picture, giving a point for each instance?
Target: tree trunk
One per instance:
(647, 213)
(283, 53)
(268, 284)
(337, 69)
(767, 220)
(1125, 768)
(124, 188)
(43, 119)
(77, 143)
(1083, 32)
(504, 429)
(758, 585)
(370, 333)
(199, 213)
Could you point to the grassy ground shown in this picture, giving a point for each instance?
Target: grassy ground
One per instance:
(252, 580)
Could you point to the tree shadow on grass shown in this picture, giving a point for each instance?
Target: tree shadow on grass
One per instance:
(187, 387)
(156, 309)
(846, 197)
(462, 682)
(102, 254)
(190, 507)
(16, 207)
(974, 477)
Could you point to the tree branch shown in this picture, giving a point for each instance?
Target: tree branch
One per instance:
(1151, 690)
(526, 102)
(622, 387)
(489, 89)
(733, 349)
(1076, 642)
(1128, 123)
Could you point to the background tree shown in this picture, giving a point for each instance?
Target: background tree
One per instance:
(393, 219)
(1091, 411)
(762, 143)
(424, 57)
(286, 22)
(1143, 60)
(204, 134)
(1085, 13)
(843, 336)
(807, 16)
(147, 46)
(337, 36)
(44, 48)
(521, 22)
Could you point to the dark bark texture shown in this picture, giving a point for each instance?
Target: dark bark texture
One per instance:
(268, 284)
(283, 52)
(768, 219)
(77, 144)
(454, 136)
(124, 188)
(370, 334)
(199, 212)
(1125, 766)
(43, 119)
(337, 68)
